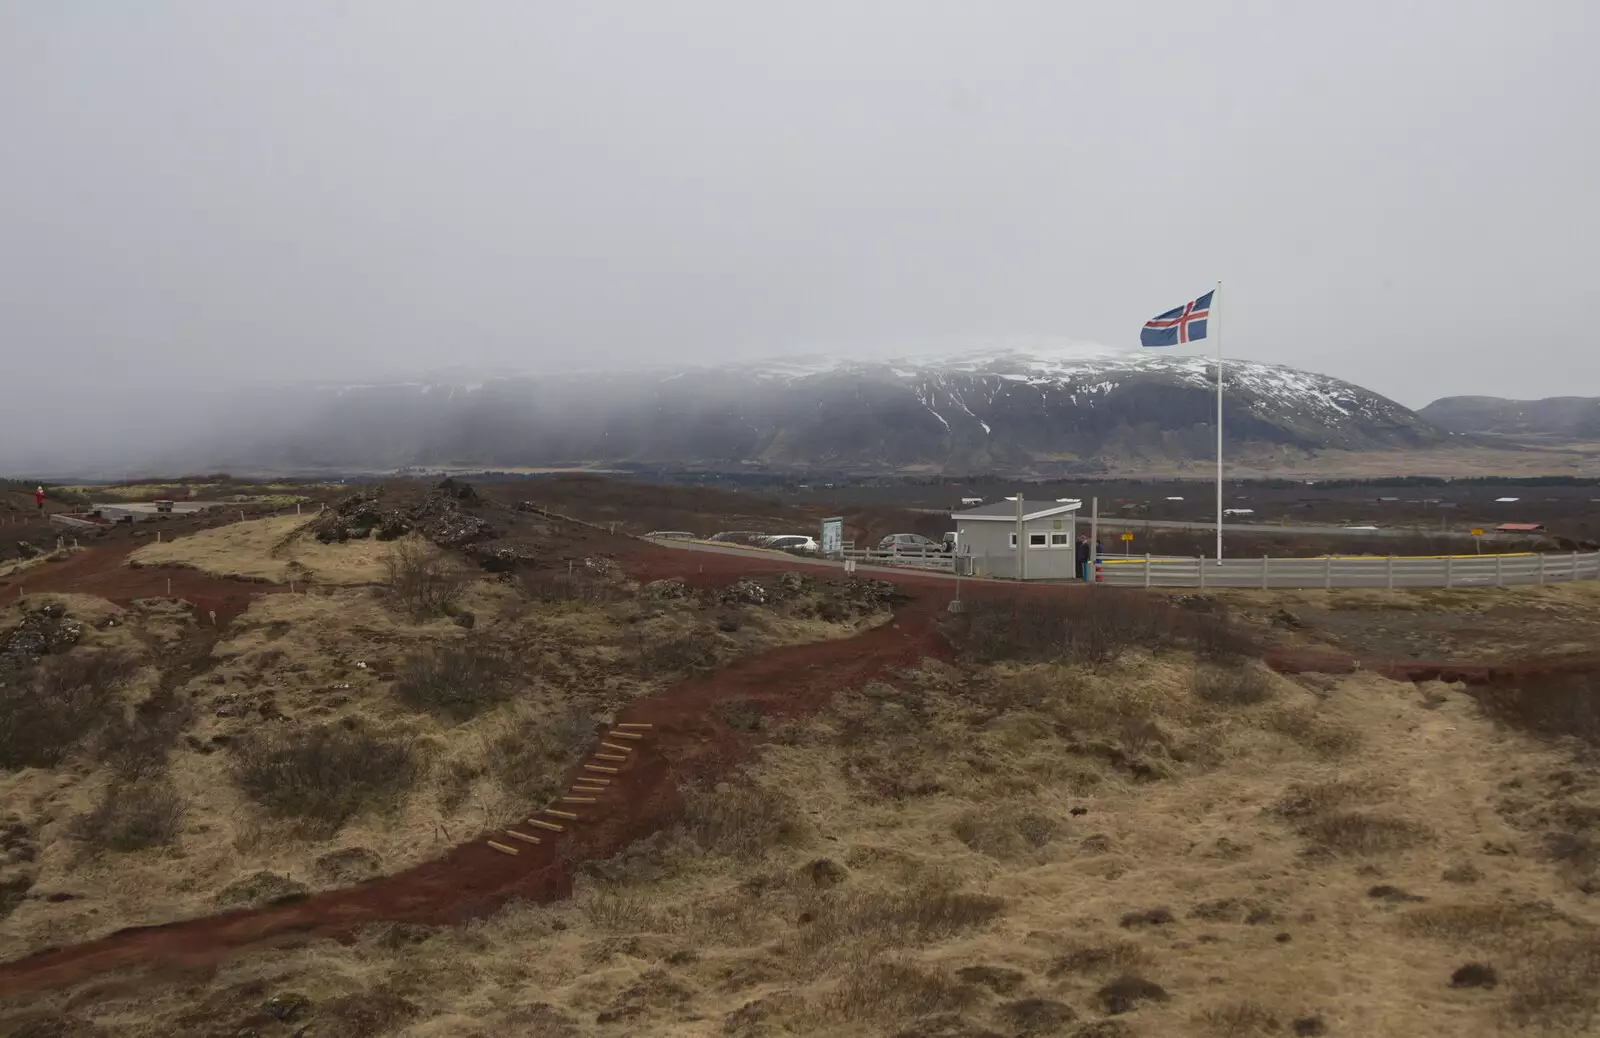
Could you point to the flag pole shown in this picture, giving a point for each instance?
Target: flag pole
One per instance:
(1214, 328)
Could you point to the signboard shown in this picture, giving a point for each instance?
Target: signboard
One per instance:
(832, 539)
(1477, 532)
(1127, 535)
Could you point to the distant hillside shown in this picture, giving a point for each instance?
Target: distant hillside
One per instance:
(1077, 410)
(1052, 410)
(1564, 417)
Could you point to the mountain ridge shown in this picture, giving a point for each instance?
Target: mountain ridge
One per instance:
(1564, 417)
(1069, 407)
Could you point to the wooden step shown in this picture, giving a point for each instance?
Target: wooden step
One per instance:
(540, 823)
(502, 848)
(568, 815)
(524, 837)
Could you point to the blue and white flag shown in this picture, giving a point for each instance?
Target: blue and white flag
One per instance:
(1179, 325)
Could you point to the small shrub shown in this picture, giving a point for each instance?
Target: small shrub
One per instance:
(1231, 686)
(68, 699)
(1241, 1020)
(1092, 628)
(1471, 922)
(896, 919)
(137, 746)
(680, 654)
(1005, 834)
(1354, 832)
(457, 680)
(325, 775)
(132, 816)
(741, 821)
(1124, 994)
(554, 588)
(1216, 639)
(533, 753)
(1302, 801)
(1099, 958)
(1563, 705)
(1556, 984)
(897, 989)
(424, 580)
(1319, 735)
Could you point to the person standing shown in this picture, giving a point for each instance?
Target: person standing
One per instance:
(38, 499)
(1083, 556)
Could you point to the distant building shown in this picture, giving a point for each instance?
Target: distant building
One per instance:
(988, 535)
(1520, 528)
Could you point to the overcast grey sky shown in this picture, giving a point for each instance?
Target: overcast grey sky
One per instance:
(1399, 193)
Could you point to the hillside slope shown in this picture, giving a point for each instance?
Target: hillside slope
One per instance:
(1566, 417)
(1079, 409)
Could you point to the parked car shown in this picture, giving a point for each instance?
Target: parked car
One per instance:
(797, 542)
(739, 537)
(908, 542)
(671, 535)
(950, 541)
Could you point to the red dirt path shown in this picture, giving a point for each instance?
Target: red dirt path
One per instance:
(102, 571)
(687, 742)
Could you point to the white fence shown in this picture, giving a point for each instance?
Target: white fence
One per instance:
(934, 560)
(1403, 571)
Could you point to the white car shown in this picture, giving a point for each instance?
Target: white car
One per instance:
(798, 543)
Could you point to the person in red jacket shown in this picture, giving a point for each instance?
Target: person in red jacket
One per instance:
(38, 498)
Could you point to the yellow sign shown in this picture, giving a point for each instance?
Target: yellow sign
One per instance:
(1055, 524)
(1477, 533)
(1128, 535)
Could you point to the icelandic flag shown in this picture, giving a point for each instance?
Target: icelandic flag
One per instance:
(1179, 325)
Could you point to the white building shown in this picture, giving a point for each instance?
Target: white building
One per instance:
(987, 536)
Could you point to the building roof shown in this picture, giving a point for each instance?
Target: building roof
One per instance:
(1002, 511)
(1520, 527)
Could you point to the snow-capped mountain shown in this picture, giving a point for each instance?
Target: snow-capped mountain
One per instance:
(1012, 407)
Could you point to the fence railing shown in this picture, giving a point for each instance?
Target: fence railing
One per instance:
(1400, 571)
(934, 560)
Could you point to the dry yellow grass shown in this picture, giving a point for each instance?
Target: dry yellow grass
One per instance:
(275, 549)
(1010, 849)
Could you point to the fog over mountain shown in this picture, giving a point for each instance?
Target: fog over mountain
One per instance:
(1042, 408)
(204, 205)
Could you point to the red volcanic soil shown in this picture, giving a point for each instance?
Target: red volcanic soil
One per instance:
(685, 741)
(102, 570)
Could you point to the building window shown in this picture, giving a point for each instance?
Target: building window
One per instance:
(1060, 540)
(1013, 540)
(1036, 540)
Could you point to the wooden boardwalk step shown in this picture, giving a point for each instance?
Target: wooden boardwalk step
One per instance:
(631, 724)
(614, 746)
(524, 837)
(598, 767)
(609, 756)
(540, 823)
(623, 735)
(502, 848)
(568, 815)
